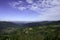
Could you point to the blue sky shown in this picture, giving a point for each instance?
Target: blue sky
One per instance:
(29, 10)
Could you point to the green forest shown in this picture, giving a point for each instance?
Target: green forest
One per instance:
(49, 31)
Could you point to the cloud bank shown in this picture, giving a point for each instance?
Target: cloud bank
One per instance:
(48, 9)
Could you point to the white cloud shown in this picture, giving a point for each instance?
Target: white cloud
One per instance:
(34, 6)
(21, 8)
(51, 14)
(48, 10)
(13, 4)
(29, 1)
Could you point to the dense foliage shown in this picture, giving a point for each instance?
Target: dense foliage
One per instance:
(43, 32)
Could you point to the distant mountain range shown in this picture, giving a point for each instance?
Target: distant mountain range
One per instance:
(43, 23)
(5, 24)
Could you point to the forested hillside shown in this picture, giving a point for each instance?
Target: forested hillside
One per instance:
(47, 30)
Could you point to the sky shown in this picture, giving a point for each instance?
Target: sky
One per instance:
(29, 10)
